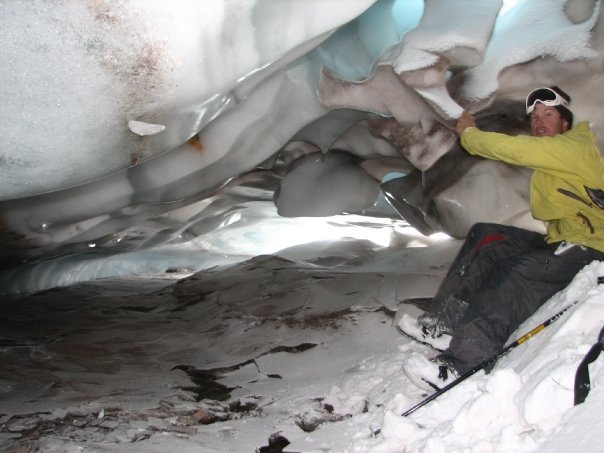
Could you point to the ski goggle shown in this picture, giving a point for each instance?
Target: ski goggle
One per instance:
(546, 96)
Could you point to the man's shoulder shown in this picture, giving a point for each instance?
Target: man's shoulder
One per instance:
(581, 126)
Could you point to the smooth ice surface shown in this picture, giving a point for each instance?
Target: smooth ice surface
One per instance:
(74, 72)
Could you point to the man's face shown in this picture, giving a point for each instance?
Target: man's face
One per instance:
(546, 121)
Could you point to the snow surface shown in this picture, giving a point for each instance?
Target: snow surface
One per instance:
(310, 344)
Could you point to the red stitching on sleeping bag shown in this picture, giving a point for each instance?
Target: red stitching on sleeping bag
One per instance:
(490, 238)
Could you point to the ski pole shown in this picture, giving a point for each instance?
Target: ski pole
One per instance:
(484, 364)
(496, 357)
(487, 362)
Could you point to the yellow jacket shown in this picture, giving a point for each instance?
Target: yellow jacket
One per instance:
(565, 167)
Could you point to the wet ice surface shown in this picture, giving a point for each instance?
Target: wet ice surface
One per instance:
(256, 348)
(222, 359)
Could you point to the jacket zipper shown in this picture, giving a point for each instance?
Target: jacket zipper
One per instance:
(574, 196)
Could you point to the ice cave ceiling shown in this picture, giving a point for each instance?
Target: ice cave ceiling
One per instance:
(129, 124)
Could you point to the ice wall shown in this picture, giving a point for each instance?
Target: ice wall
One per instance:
(131, 124)
(75, 73)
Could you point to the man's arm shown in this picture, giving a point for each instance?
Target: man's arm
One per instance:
(559, 154)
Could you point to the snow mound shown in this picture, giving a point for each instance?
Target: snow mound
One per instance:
(527, 398)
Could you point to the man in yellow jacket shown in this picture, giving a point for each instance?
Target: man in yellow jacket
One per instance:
(503, 274)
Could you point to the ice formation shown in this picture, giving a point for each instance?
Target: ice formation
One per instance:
(117, 115)
(132, 123)
(126, 124)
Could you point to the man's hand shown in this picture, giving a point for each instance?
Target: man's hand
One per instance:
(465, 120)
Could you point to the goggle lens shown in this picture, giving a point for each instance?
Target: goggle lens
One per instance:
(546, 96)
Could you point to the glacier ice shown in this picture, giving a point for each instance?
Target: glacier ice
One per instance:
(118, 116)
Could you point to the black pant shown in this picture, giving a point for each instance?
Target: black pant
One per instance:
(499, 278)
